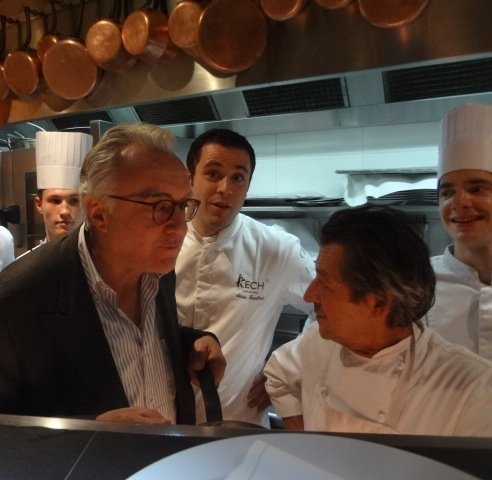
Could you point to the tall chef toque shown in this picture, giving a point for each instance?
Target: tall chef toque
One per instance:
(466, 139)
(59, 158)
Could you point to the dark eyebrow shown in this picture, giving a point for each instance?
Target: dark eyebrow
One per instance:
(216, 164)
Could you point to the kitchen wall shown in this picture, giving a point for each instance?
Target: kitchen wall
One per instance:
(305, 163)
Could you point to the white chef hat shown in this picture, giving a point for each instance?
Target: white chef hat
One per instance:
(466, 139)
(59, 158)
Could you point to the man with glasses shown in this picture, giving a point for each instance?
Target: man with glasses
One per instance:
(88, 324)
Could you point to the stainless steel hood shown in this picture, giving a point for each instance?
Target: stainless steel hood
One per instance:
(323, 69)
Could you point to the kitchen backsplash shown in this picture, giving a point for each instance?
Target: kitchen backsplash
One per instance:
(305, 163)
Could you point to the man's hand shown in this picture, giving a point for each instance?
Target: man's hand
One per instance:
(206, 351)
(134, 415)
(257, 395)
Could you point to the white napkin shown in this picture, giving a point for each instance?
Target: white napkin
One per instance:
(264, 462)
(359, 187)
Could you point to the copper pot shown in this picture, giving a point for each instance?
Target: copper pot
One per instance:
(105, 44)
(145, 34)
(183, 26)
(22, 68)
(232, 35)
(50, 37)
(281, 10)
(391, 13)
(69, 70)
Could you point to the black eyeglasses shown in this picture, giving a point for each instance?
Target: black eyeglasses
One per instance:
(163, 210)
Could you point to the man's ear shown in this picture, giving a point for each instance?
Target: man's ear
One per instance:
(96, 212)
(377, 303)
(37, 204)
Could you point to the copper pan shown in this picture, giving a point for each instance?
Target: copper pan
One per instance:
(183, 26)
(391, 13)
(333, 4)
(69, 70)
(145, 33)
(232, 35)
(105, 44)
(281, 10)
(22, 68)
(50, 37)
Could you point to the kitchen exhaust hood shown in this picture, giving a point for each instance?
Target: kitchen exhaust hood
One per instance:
(323, 69)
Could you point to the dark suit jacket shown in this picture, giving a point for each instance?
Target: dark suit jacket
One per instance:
(54, 357)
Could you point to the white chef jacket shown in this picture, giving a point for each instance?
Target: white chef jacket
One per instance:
(462, 312)
(235, 285)
(6, 247)
(423, 385)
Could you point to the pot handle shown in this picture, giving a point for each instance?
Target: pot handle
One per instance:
(213, 409)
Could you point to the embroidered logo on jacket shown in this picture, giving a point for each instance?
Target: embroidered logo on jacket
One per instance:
(250, 289)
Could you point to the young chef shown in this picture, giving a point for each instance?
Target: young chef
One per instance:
(59, 157)
(368, 365)
(462, 312)
(235, 274)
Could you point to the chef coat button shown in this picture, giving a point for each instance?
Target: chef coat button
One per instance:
(381, 417)
(324, 392)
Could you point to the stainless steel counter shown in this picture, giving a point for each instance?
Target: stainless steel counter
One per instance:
(57, 448)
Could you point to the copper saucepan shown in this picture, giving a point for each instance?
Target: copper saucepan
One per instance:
(105, 44)
(333, 4)
(69, 70)
(145, 33)
(280, 10)
(22, 68)
(51, 36)
(183, 26)
(391, 13)
(232, 35)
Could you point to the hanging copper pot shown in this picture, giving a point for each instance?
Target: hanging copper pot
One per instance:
(51, 36)
(183, 26)
(105, 43)
(232, 35)
(145, 33)
(391, 13)
(69, 70)
(280, 10)
(22, 68)
(333, 4)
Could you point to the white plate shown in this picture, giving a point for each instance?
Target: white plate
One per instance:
(339, 457)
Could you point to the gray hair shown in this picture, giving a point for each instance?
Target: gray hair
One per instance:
(102, 163)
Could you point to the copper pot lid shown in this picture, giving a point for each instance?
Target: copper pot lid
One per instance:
(232, 35)
(280, 10)
(333, 4)
(69, 70)
(105, 45)
(183, 24)
(391, 13)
